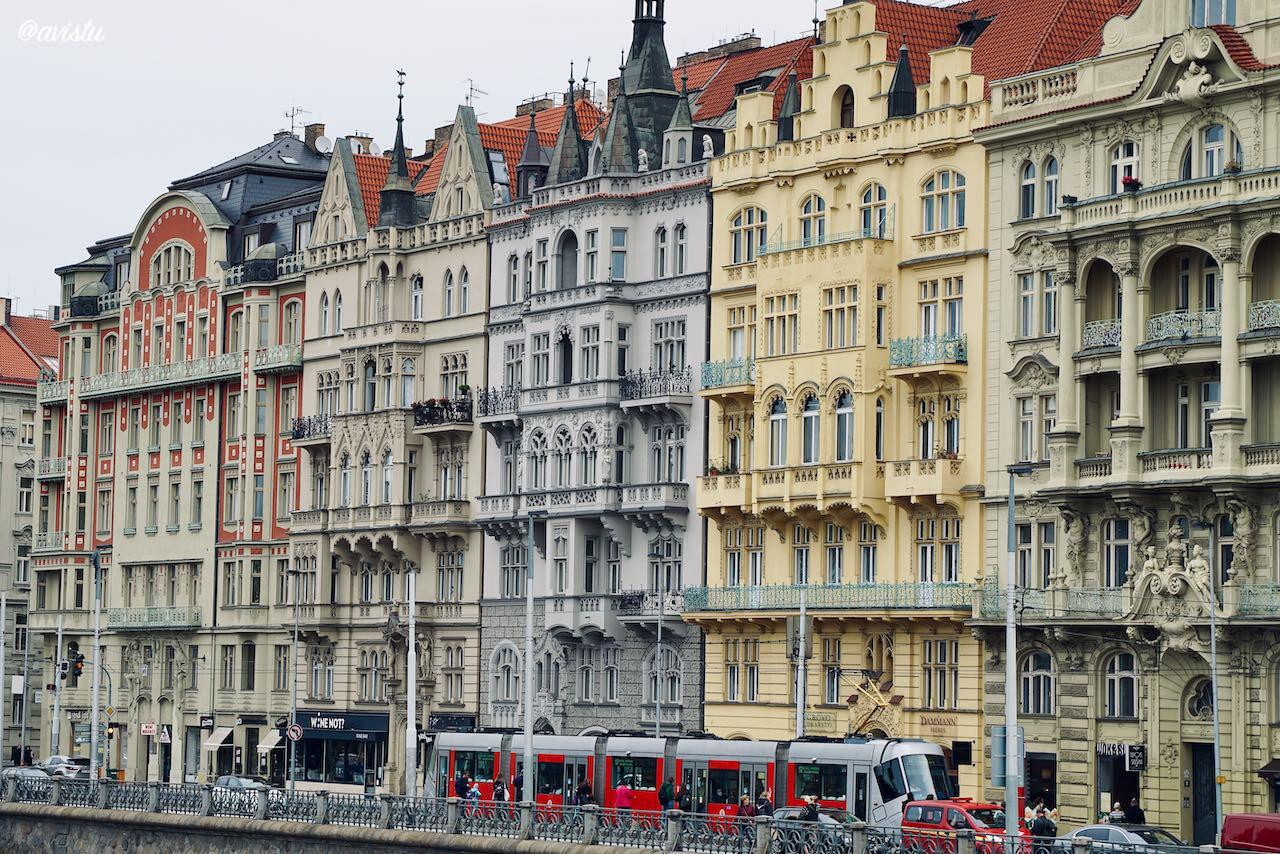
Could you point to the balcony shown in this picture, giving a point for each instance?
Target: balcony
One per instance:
(195, 371)
(282, 358)
(1092, 468)
(581, 616)
(883, 232)
(1176, 462)
(928, 350)
(443, 415)
(52, 391)
(643, 609)
(1261, 456)
(1101, 334)
(51, 467)
(48, 541)
(498, 506)
(552, 398)
(933, 478)
(498, 404)
(648, 388)
(1032, 604)
(1184, 325)
(1264, 316)
(812, 485)
(573, 501)
(440, 512)
(145, 619)
(721, 493)
(908, 596)
(312, 428)
(729, 376)
(651, 505)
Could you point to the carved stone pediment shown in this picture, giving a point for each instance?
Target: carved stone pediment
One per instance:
(1175, 597)
(1034, 372)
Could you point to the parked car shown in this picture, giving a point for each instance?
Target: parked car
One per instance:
(67, 767)
(240, 781)
(830, 835)
(24, 771)
(1119, 837)
(1251, 832)
(929, 826)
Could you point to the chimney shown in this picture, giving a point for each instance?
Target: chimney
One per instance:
(312, 132)
(442, 135)
(537, 105)
(360, 142)
(6, 309)
(281, 134)
(428, 149)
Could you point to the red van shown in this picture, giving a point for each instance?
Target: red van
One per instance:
(1251, 832)
(929, 826)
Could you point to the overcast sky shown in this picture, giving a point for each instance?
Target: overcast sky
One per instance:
(97, 128)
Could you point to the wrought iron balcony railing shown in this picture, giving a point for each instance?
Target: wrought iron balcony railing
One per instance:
(312, 427)
(638, 385)
(646, 603)
(1264, 314)
(51, 467)
(838, 597)
(1101, 333)
(1184, 324)
(503, 400)
(928, 350)
(727, 372)
(434, 413)
(175, 373)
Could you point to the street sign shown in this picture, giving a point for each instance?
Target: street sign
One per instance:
(110, 711)
(294, 732)
(164, 735)
(148, 729)
(282, 722)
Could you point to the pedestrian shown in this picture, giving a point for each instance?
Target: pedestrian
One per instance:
(1135, 814)
(460, 785)
(473, 797)
(810, 810)
(517, 785)
(499, 789)
(1042, 828)
(1117, 814)
(764, 803)
(746, 809)
(684, 801)
(584, 793)
(667, 795)
(623, 799)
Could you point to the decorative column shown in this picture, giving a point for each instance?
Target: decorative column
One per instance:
(1064, 441)
(1229, 420)
(1126, 430)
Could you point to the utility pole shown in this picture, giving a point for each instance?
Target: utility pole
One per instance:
(530, 772)
(55, 726)
(659, 582)
(411, 731)
(4, 603)
(26, 661)
(1012, 739)
(95, 558)
(293, 704)
(1215, 583)
(802, 670)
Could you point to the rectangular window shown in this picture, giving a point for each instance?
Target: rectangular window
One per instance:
(941, 674)
(623, 349)
(831, 671)
(1048, 532)
(541, 359)
(131, 508)
(618, 255)
(1026, 305)
(840, 316)
(175, 504)
(669, 337)
(1115, 552)
(259, 496)
(593, 255)
(1048, 303)
(197, 501)
(834, 554)
(742, 331)
(751, 669)
(542, 265)
(281, 680)
(233, 416)
(801, 537)
(153, 505)
(231, 506)
(590, 352)
(228, 680)
(882, 317)
(732, 674)
(782, 324)
(156, 415)
(197, 426)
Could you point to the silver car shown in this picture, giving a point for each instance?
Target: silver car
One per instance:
(66, 767)
(1120, 838)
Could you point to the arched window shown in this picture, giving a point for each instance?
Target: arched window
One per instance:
(1050, 204)
(172, 265)
(464, 291)
(235, 333)
(566, 262)
(813, 220)
(387, 470)
(844, 427)
(844, 104)
(1027, 194)
(879, 428)
(292, 323)
(1124, 164)
(874, 211)
(682, 249)
(1200, 700)
(620, 453)
(324, 314)
(587, 456)
(664, 671)
(1036, 684)
(943, 201)
(878, 657)
(513, 279)
(1122, 686)
(109, 348)
(660, 252)
(563, 458)
(415, 297)
(448, 293)
(366, 478)
(337, 312)
(370, 386)
(682, 150)
(407, 380)
(810, 430)
(749, 233)
(344, 480)
(506, 675)
(778, 432)
(538, 461)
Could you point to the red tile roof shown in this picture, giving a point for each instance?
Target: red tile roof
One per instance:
(720, 89)
(1238, 49)
(925, 28)
(371, 172)
(23, 343)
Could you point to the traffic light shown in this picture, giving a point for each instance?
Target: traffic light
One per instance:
(78, 664)
(111, 731)
(63, 667)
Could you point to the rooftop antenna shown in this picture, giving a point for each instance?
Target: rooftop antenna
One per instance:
(472, 91)
(585, 79)
(815, 20)
(292, 115)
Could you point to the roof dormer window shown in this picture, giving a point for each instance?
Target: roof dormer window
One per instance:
(1206, 13)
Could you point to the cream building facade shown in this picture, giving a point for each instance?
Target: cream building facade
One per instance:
(845, 418)
(1130, 355)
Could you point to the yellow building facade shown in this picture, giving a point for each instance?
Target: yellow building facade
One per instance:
(845, 437)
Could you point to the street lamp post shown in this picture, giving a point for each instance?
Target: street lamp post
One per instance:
(1213, 681)
(411, 710)
(95, 560)
(1013, 747)
(293, 702)
(530, 772)
(660, 583)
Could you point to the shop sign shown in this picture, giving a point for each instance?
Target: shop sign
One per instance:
(149, 729)
(251, 720)
(1136, 760)
(206, 722)
(1112, 748)
(353, 725)
(455, 723)
(820, 721)
(939, 725)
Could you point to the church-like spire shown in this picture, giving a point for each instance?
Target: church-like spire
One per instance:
(902, 91)
(620, 145)
(531, 171)
(682, 118)
(647, 76)
(397, 193)
(789, 109)
(568, 158)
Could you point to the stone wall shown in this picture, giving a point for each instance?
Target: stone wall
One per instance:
(40, 829)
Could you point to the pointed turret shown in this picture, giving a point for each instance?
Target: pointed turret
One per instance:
(789, 110)
(397, 207)
(531, 171)
(902, 91)
(647, 76)
(677, 142)
(569, 157)
(620, 148)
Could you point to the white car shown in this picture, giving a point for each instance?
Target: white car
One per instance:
(66, 767)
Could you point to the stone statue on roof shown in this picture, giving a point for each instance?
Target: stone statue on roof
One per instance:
(708, 147)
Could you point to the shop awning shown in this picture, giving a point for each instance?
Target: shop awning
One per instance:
(269, 743)
(215, 739)
(1270, 771)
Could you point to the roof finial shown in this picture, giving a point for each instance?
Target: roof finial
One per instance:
(400, 95)
(816, 20)
(571, 87)
(684, 83)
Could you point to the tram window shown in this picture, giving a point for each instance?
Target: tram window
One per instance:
(476, 764)
(889, 779)
(860, 795)
(640, 772)
(723, 786)
(550, 778)
(828, 782)
(926, 776)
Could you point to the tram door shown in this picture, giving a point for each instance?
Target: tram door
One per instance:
(695, 783)
(861, 780)
(753, 780)
(575, 771)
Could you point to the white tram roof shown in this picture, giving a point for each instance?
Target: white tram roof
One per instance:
(584, 745)
(690, 748)
(624, 745)
(469, 740)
